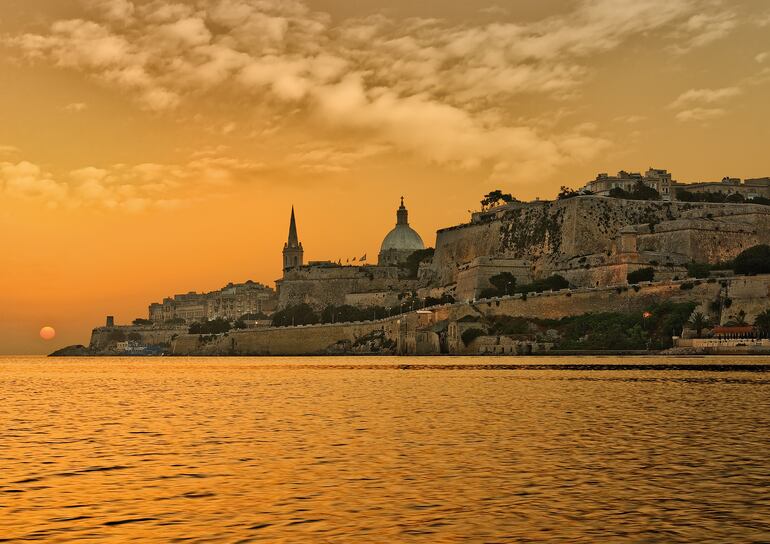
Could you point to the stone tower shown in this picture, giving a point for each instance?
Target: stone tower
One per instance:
(293, 254)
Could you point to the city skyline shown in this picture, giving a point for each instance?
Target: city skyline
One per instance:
(149, 148)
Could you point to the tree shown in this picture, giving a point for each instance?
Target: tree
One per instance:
(141, 321)
(412, 263)
(740, 319)
(762, 323)
(698, 270)
(492, 198)
(641, 191)
(214, 326)
(505, 283)
(470, 335)
(698, 321)
(643, 274)
(566, 192)
(301, 314)
(755, 260)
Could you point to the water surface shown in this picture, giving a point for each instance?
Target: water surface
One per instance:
(371, 450)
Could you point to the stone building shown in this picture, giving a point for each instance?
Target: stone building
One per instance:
(231, 302)
(400, 242)
(326, 283)
(657, 179)
(748, 189)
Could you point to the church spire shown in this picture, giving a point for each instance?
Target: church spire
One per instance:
(293, 253)
(293, 238)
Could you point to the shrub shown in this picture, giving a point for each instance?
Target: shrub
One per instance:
(141, 321)
(214, 326)
(698, 270)
(301, 314)
(643, 274)
(687, 286)
(755, 260)
(470, 335)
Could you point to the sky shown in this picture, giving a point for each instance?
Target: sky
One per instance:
(152, 147)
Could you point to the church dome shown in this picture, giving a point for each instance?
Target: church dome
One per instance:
(400, 242)
(403, 237)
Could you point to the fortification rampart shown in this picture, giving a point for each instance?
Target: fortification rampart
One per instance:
(105, 337)
(551, 234)
(326, 286)
(304, 340)
(750, 294)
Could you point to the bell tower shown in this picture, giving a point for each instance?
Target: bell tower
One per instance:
(293, 254)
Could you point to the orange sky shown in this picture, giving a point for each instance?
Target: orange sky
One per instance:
(155, 147)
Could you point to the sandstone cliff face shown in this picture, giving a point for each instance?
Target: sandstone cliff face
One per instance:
(550, 234)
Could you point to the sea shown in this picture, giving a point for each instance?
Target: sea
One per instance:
(385, 449)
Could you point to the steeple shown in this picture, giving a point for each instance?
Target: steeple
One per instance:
(402, 215)
(293, 238)
(293, 253)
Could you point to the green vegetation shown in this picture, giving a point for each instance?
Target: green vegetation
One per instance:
(301, 314)
(762, 323)
(505, 284)
(134, 337)
(214, 326)
(117, 336)
(551, 283)
(493, 198)
(470, 335)
(566, 192)
(412, 264)
(719, 197)
(698, 270)
(175, 321)
(755, 260)
(639, 192)
(698, 321)
(507, 325)
(502, 284)
(141, 321)
(346, 313)
(643, 274)
(624, 331)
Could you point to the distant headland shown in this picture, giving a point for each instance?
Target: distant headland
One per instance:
(632, 263)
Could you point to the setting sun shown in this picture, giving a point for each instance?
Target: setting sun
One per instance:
(47, 333)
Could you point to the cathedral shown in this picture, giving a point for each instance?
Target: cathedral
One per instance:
(324, 283)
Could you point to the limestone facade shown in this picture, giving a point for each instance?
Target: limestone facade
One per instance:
(231, 302)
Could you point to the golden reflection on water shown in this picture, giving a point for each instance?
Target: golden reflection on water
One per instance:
(242, 450)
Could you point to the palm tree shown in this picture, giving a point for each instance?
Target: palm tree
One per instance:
(698, 321)
(762, 323)
(740, 319)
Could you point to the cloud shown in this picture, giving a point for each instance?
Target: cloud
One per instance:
(762, 57)
(131, 188)
(700, 114)
(440, 90)
(705, 96)
(76, 107)
(8, 150)
(703, 29)
(28, 180)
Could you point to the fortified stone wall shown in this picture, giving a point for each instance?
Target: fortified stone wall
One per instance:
(750, 294)
(307, 340)
(101, 337)
(549, 234)
(324, 286)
